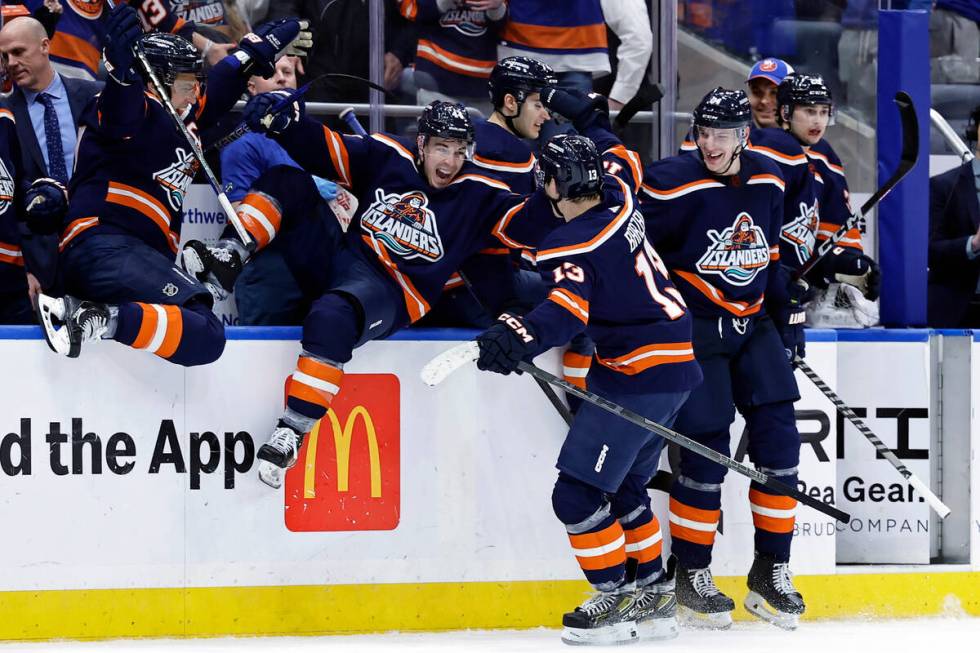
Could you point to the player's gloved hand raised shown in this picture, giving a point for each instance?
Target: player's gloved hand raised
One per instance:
(270, 41)
(582, 109)
(273, 112)
(122, 31)
(505, 344)
(790, 318)
(45, 202)
(850, 266)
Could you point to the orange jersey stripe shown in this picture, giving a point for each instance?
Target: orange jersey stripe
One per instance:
(10, 253)
(76, 227)
(624, 214)
(526, 166)
(408, 8)
(632, 159)
(684, 189)
(740, 309)
(571, 302)
(338, 156)
(555, 37)
(415, 303)
(647, 356)
(133, 198)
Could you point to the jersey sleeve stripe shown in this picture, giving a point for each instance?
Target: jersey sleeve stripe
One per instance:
(679, 191)
(737, 308)
(504, 166)
(826, 161)
(632, 160)
(395, 145)
(338, 156)
(496, 183)
(571, 302)
(782, 157)
(767, 179)
(11, 254)
(500, 231)
(615, 225)
(688, 146)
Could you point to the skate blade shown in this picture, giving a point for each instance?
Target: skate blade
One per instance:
(688, 618)
(58, 338)
(270, 474)
(612, 635)
(656, 629)
(759, 607)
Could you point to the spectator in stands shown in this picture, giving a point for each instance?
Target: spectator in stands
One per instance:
(457, 48)
(954, 242)
(266, 292)
(211, 17)
(253, 12)
(46, 105)
(762, 81)
(47, 13)
(341, 45)
(629, 21)
(954, 42)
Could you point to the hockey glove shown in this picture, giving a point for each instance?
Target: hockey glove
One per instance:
(273, 112)
(46, 202)
(505, 344)
(123, 29)
(790, 318)
(850, 266)
(584, 110)
(259, 50)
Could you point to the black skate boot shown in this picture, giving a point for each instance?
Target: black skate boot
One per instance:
(67, 322)
(216, 267)
(278, 455)
(605, 618)
(772, 596)
(655, 609)
(700, 604)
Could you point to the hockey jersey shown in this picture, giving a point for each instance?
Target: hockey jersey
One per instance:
(718, 236)
(12, 277)
(133, 165)
(832, 193)
(504, 156)
(609, 281)
(457, 48)
(419, 235)
(568, 36)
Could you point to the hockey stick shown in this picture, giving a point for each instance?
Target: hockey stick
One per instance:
(161, 93)
(446, 363)
(349, 117)
(941, 508)
(907, 160)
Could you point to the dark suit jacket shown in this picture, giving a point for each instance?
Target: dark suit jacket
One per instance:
(80, 92)
(954, 216)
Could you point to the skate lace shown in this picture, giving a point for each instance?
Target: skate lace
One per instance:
(782, 579)
(92, 325)
(599, 603)
(283, 440)
(703, 583)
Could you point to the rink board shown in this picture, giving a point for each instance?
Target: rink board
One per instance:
(422, 509)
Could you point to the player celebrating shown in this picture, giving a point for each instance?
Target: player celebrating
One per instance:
(608, 280)
(806, 109)
(423, 211)
(715, 218)
(123, 223)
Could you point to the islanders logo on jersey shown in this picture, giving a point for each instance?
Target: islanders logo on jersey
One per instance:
(176, 177)
(6, 187)
(405, 224)
(801, 232)
(465, 21)
(737, 254)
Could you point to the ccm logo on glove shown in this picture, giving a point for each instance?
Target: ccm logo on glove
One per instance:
(516, 326)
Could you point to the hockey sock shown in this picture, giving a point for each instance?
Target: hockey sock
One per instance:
(644, 544)
(597, 538)
(312, 387)
(695, 509)
(774, 517)
(185, 335)
(261, 215)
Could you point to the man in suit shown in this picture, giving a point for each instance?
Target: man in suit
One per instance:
(954, 242)
(46, 105)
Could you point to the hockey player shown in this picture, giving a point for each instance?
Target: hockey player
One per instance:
(715, 218)
(806, 109)
(608, 280)
(424, 210)
(133, 167)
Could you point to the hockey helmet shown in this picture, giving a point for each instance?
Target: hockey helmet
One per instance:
(722, 108)
(574, 163)
(447, 120)
(519, 76)
(800, 89)
(169, 55)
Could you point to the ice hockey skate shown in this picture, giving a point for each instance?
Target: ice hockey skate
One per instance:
(772, 596)
(605, 618)
(67, 322)
(700, 604)
(278, 454)
(217, 267)
(655, 610)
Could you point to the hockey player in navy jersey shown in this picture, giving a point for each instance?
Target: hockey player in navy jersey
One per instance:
(608, 281)
(715, 218)
(120, 235)
(424, 209)
(806, 109)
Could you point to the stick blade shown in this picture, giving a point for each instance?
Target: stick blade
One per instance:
(439, 368)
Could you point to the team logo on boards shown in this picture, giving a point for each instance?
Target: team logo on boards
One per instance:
(347, 477)
(88, 9)
(405, 225)
(6, 187)
(465, 21)
(176, 177)
(737, 253)
(801, 232)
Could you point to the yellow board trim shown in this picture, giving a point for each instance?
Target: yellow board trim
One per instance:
(335, 609)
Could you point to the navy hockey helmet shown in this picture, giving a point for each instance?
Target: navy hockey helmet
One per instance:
(722, 108)
(519, 76)
(447, 120)
(169, 55)
(574, 163)
(800, 89)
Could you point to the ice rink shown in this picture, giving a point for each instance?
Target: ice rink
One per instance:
(818, 637)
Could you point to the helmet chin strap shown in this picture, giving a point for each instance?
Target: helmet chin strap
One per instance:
(510, 119)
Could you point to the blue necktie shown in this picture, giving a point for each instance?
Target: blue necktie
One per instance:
(52, 133)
